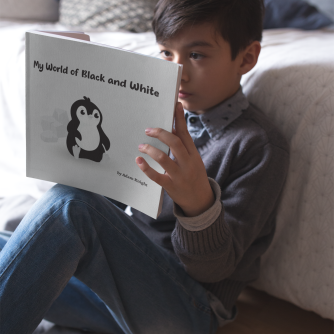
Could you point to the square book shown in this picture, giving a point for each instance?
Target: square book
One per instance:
(87, 108)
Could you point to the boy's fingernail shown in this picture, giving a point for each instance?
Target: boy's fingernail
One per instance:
(140, 160)
(180, 107)
(141, 146)
(148, 130)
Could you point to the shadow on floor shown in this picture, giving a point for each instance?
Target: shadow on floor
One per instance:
(260, 313)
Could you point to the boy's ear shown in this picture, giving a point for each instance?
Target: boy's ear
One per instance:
(249, 57)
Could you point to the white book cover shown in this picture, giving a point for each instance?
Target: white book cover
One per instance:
(87, 108)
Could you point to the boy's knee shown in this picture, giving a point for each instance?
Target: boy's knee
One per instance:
(61, 190)
(73, 202)
(60, 196)
(74, 198)
(67, 193)
(53, 199)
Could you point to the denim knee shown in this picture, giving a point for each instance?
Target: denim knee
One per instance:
(60, 200)
(61, 194)
(68, 193)
(80, 203)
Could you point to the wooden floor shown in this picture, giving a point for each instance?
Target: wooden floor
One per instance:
(260, 313)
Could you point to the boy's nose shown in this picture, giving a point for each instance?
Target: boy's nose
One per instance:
(185, 74)
(184, 77)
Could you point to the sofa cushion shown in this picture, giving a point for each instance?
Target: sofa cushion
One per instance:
(293, 14)
(112, 15)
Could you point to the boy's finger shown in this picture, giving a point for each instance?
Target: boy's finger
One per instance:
(174, 142)
(182, 130)
(162, 179)
(161, 158)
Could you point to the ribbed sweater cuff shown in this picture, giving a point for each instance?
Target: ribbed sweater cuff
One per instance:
(200, 242)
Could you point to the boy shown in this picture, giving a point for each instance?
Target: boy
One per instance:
(79, 261)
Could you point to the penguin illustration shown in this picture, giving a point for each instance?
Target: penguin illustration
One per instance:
(85, 138)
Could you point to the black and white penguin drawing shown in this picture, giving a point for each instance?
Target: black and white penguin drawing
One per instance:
(85, 138)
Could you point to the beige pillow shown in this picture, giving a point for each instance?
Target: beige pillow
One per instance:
(111, 15)
(40, 10)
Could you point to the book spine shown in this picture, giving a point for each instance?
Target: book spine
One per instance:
(178, 82)
(27, 92)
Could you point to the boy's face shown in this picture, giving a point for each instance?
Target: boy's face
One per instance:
(209, 75)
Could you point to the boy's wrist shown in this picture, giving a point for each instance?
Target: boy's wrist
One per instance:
(207, 200)
(204, 219)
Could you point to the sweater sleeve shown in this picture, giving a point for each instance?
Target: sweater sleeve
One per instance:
(212, 245)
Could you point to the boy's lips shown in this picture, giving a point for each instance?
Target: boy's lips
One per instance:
(183, 94)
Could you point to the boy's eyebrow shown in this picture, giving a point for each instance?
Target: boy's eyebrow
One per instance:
(192, 44)
(199, 43)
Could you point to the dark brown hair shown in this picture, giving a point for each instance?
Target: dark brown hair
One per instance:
(238, 21)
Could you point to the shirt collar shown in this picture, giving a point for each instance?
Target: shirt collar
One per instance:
(218, 117)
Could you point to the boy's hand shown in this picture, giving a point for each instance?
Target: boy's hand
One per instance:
(185, 180)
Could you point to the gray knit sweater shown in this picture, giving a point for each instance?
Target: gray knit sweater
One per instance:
(246, 160)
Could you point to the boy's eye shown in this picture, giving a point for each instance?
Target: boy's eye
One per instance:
(165, 53)
(196, 56)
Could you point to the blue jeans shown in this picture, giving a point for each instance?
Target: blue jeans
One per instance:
(79, 261)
